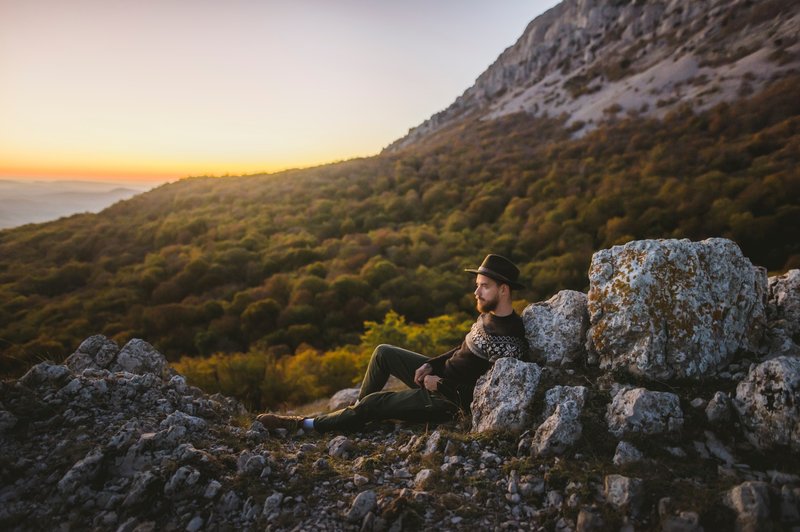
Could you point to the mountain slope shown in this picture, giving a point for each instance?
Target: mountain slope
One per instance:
(592, 59)
(271, 263)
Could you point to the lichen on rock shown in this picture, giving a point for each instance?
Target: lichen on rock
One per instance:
(674, 308)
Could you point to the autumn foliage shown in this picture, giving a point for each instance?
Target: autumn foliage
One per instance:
(280, 268)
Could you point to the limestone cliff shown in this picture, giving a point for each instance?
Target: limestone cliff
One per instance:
(591, 60)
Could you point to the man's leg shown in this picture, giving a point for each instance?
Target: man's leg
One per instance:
(408, 405)
(389, 360)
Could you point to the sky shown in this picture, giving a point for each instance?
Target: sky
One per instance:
(156, 90)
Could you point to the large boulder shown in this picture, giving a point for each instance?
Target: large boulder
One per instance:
(783, 314)
(641, 411)
(503, 396)
(674, 308)
(768, 403)
(556, 328)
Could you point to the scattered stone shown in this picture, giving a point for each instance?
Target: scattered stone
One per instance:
(640, 411)
(95, 352)
(750, 501)
(424, 479)
(589, 521)
(556, 329)
(718, 449)
(719, 408)
(343, 398)
(698, 403)
(360, 480)
(561, 394)
(623, 492)
(626, 454)
(559, 432)
(504, 396)
(433, 444)
(365, 502)
(272, 504)
(674, 308)
(768, 404)
(137, 356)
(340, 447)
(783, 314)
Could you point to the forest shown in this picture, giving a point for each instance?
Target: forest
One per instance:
(299, 263)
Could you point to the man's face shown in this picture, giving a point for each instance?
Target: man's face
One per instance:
(487, 293)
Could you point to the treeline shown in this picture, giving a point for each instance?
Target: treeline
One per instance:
(262, 380)
(270, 263)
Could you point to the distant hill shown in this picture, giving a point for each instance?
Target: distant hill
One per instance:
(273, 262)
(23, 202)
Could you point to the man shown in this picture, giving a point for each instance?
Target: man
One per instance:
(438, 387)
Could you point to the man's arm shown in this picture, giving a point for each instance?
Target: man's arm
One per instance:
(437, 363)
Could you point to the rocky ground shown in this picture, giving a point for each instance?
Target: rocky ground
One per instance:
(125, 451)
(114, 440)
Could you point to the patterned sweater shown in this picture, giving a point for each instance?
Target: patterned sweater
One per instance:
(491, 337)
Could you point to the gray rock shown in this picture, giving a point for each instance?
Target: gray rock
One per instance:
(7, 420)
(674, 308)
(622, 492)
(212, 489)
(182, 482)
(626, 453)
(46, 373)
(750, 501)
(589, 521)
(682, 522)
(784, 300)
(433, 444)
(424, 479)
(503, 396)
(340, 446)
(718, 449)
(640, 411)
(95, 352)
(365, 502)
(272, 504)
(556, 329)
(768, 404)
(137, 356)
(343, 398)
(561, 394)
(559, 432)
(195, 524)
(718, 409)
(82, 472)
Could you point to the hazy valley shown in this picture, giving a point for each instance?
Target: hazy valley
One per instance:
(24, 202)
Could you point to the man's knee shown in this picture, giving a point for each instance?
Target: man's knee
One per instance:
(381, 353)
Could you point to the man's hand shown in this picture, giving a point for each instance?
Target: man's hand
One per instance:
(422, 372)
(432, 382)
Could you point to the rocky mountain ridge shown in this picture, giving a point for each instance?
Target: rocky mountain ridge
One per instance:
(584, 437)
(592, 60)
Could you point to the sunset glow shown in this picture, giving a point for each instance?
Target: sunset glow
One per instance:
(158, 90)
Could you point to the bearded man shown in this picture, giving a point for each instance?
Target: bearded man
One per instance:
(440, 387)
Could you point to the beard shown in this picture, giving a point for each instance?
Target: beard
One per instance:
(487, 305)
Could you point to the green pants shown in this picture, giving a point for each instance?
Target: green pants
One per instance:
(415, 404)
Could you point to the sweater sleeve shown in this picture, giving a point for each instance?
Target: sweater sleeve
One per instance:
(437, 363)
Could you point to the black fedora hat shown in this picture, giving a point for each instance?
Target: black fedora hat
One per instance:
(500, 269)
